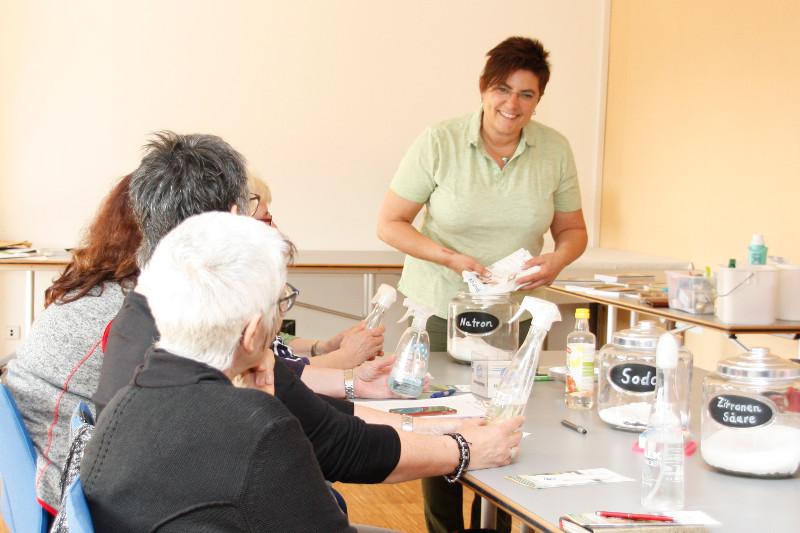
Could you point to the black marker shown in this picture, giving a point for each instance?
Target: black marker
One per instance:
(573, 426)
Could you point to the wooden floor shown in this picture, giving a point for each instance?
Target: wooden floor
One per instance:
(394, 506)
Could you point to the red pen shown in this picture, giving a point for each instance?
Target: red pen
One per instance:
(634, 516)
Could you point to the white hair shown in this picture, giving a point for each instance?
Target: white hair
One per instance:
(208, 278)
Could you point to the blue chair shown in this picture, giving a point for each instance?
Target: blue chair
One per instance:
(20, 509)
(78, 518)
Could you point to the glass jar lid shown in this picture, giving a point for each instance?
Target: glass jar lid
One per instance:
(758, 363)
(643, 336)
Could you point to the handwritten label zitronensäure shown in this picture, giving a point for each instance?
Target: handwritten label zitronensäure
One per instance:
(737, 411)
(633, 377)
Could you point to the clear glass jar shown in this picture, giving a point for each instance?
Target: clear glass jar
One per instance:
(751, 416)
(478, 327)
(627, 381)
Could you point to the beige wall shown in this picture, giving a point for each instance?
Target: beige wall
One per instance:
(701, 145)
(322, 97)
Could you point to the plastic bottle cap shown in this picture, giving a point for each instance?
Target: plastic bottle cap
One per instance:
(667, 351)
(385, 295)
(581, 312)
(758, 240)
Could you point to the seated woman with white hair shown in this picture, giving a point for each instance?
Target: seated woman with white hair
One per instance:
(224, 457)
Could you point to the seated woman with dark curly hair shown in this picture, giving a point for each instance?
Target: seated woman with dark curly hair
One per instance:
(58, 364)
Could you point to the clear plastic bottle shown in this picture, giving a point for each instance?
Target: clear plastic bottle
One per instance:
(512, 393)
(663, 471)
(407, 377)
(580, 387)
(381, 302)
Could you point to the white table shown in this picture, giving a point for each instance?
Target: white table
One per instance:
(740, 504)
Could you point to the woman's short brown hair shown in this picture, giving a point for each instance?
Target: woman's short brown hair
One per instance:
(515, 53)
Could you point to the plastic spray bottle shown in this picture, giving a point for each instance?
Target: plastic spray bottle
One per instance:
(757, 252)
(662, 475)
(512, 393)
(579, 393)
(411, 366)
(381, 302)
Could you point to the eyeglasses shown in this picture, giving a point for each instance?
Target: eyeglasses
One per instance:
(288, 299)
(526, 96)
(254, 201)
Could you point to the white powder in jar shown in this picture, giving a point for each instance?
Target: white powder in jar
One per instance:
(629, 416)
(765, 451)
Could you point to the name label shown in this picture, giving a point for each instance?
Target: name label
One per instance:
(476, 323)
(633, 377)
(738, 411)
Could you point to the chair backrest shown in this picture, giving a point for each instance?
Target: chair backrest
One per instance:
(78, 518)
(20, 509)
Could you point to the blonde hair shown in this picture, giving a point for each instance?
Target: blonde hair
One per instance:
(257, 186)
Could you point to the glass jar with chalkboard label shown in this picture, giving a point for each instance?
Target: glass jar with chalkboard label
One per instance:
(479, 327)
(627, 380)
(751, 416)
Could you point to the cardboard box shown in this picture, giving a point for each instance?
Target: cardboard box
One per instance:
(486, 376)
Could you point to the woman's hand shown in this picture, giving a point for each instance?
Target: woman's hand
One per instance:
(361, 344)
(550, 268)
(492, 445)
(460, 262)
(371, 379)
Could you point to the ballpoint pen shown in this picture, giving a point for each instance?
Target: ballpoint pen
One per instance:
(635, 516)
(443, 393)
(573, 426)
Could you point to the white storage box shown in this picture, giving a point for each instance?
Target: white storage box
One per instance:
(788, 293)
(747, 294)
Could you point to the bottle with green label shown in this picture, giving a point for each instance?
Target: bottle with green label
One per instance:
(580, 387)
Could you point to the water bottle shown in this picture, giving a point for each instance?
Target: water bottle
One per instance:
(579, 392)
(407, 377)
(663, 472)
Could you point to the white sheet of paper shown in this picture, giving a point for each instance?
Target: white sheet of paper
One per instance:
(466, 405)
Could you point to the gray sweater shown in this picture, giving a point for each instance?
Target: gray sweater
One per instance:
(57, 366)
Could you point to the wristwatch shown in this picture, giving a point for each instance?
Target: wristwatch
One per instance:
(349, 391)
(408, 423)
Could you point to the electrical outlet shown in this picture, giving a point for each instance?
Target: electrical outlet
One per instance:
(12, 333)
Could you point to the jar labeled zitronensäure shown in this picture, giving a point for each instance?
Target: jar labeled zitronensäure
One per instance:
(627, 381)
(751, 416)
(479, 327)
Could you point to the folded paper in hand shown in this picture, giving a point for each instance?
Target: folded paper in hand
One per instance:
(505, 274)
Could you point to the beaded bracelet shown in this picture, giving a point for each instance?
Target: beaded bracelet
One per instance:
(463, 449)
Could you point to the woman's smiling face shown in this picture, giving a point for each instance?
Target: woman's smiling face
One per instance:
(508, 106)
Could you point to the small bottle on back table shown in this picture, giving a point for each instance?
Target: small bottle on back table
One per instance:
(580, 386)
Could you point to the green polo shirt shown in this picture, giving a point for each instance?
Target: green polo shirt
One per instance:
(476, 208)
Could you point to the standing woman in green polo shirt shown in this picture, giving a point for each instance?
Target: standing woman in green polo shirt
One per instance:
(492, 182)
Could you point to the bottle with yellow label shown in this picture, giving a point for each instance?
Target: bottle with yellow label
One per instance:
(580, 387)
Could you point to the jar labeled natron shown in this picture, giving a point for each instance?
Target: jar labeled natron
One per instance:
(627, 381)
(751, 416)
(479, 327)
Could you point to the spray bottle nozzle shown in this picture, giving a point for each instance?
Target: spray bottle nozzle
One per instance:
(385, 295)
(544, 313)
(419, 311)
